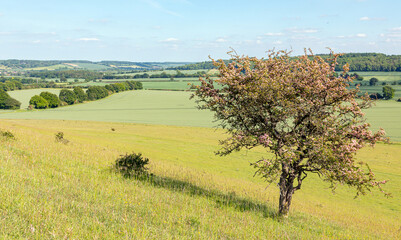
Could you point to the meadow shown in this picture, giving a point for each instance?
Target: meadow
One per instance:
(55, 190)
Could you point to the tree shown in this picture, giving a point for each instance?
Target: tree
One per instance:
(373, 81)
(388, 92)
(38, 102)
(51, 98)
(7, 102)
(300, 112)
(67, 96)
(81, 95)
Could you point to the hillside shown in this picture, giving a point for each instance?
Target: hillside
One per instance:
(55, 190)
(39, 65)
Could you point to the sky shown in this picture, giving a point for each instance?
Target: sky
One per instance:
(193, 30)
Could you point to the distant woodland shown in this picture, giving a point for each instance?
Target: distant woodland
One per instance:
(357, 62)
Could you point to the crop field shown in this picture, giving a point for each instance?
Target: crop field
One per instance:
(381, 76)
(55, 190)
(152, 107)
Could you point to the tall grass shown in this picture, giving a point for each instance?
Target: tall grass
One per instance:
(53, 190)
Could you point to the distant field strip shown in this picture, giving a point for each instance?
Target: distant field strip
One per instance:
(153, 107)
(170, 108)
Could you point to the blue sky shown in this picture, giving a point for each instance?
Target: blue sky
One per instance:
(189, 30)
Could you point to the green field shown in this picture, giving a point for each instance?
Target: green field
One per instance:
(382, 76)
(25, 95)
(153, 107)
(170, 108)
(52, 190)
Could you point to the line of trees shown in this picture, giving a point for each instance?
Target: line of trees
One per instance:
(357, 62)
(178, 74)
(78, 95)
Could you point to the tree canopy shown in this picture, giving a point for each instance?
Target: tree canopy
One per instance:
(300, 111)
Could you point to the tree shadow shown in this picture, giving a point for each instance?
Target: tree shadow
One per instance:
(221, 199)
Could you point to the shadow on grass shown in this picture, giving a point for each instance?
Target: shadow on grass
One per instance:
(221, 199)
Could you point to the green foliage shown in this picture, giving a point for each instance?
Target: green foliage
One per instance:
(7, 102)
(11, 103)
(51, 98)
(131, 164)
(373, 81)
(97, 92)
(67, 96)
(81, 95)
(388, 92)
(38, 102)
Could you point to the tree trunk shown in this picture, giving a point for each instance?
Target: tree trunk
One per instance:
(286, 191)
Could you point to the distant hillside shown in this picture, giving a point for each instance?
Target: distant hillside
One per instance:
(49, 65)
(357, 62)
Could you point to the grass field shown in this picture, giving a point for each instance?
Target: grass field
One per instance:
(382, 76)
(170, 108)
(52, 190)
(25, 95)
(152, 107)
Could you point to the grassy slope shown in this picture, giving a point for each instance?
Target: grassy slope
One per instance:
(52, 190)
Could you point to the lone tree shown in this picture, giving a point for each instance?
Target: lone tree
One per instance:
(300, 112)
(388, 92)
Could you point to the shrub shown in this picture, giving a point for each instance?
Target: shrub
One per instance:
(51, 98)
(60, 138)
(131, 165)
(7, 134)
(67, 96)
(38, 102)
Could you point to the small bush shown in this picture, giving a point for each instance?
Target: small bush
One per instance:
(7, 134)
(132, 165)
(60, 138)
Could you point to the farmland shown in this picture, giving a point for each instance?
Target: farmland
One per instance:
(55, 190)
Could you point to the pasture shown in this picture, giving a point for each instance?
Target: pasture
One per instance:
(170, 108)
(53, 190)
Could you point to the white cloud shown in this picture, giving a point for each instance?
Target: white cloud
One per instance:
(361, 35)
(371, 19)
(37, 41)
(221, 40)
(396, 29)
(88, 39)
(303, 30)
(278, 42)
(170, 40)
(271, 34)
